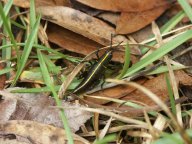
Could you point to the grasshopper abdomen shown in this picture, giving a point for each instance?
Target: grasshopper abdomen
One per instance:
(95, 72)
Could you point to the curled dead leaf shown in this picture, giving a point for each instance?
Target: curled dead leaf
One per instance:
(82, 24)
(116, 92)
(124, 5)
(79, 22)
(38, 107)
(131, 22)
(109, 17)
(142, 34)
(38, 133)
(70, 40)
(26, 3)
(157, 85)
(79, 44)
(7, 108)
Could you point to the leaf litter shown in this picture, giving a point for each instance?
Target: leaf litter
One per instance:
(82, 29)
(40, 108)
(36, 133)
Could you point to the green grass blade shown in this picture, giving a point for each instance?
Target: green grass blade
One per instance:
(51, 66)
(170, 139)
(174, 138)
(163, 69)
(171, 97)
(73, 85)
(51, 57)
(18, 25)
(35, 90)
(164, 49)
(127, 61)
(5, 20)
(20, 16)
(172, 22)
(107, 139)
(5, 70)
(6, 9)
(6, 53)
(70, 58)
(32, 16)
(27, 49)
(49, 84)
(166, 28)
(44, 70)
(186, 7)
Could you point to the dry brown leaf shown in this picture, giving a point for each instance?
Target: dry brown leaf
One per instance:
(77, 43)
(115, 92)
(70, 40)
(124, 5)
(26, 3)
(190, 2)
(157, 85)
(7, 108)
(82, 24)
(131, 22)
(142, 34)
(88, 10)
(37, 107)
(13, 139)
(38, 133)
(109, 17)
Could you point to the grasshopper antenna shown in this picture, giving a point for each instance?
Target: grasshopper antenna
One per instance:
(111, 40)
(112, 36)
(115, 47)
(119, 43)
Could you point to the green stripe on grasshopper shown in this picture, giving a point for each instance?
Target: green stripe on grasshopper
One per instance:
(95, 72)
